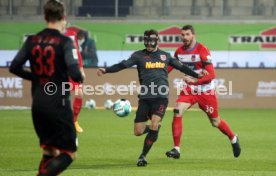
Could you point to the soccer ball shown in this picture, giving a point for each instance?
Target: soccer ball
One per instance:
(122, 107)
(90, 104)
(108, 104)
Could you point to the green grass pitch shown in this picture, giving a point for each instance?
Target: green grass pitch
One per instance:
(108, 147)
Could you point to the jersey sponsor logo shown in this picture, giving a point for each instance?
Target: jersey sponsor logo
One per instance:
(169, 38)
(189, 57)
(163, 57)
(266, 39)
(75, 54)
(150, 65)
(193, 58)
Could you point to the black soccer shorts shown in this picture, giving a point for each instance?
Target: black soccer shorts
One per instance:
(149, 107)
(55, 127)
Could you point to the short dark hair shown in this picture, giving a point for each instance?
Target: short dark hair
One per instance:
(151, 32)
(54, 11)
(82, 34)
(189, 27)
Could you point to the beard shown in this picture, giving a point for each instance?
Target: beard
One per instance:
(188, 43)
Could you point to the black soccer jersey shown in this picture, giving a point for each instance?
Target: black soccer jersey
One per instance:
(53, 58)
(152, 70)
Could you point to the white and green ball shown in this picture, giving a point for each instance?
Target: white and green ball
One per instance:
(90, 104)
(122, 107)
(108, 104)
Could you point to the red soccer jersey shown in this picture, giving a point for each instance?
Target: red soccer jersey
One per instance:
(73, 36)
(197, 58)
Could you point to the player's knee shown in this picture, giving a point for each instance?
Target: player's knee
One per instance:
(215, 122)
(138, 132)
(51, 152)
(73, 155)
(176, 112)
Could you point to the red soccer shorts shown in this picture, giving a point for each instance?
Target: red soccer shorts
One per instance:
(207, 101)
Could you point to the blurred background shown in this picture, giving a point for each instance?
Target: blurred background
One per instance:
(151, 9)
(241, 35)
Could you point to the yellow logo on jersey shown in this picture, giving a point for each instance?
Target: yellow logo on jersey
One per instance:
(155, 65)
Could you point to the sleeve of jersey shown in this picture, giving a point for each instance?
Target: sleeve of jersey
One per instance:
(72, 62)
(17, 65)
(80, 58)
(170, 68)
(184, 69)
(208, 66)
(122, 65)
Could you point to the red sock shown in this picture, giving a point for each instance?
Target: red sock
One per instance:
(77, 107)
(225, 129)
(177, 130)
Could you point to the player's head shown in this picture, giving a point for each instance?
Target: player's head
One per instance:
(188, 35)
(151, 39)
(54, 13)
(81, 37)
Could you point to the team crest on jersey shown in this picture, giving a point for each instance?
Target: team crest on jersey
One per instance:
(193, 58)
(163, 57)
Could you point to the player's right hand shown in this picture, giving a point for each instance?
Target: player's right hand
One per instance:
(101, 71)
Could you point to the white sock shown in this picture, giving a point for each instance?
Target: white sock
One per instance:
(234, 140)
(177, 148)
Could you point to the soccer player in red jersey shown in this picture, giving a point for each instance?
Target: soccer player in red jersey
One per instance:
(197, 90)
(76, 86)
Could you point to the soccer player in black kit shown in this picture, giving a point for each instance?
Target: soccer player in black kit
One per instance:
(152, 64)
(53, 59)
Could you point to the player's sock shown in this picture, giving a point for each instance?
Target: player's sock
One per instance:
(146, 129)
(77, 107)
(177, 148)
(177, 130)
(234, 140)
(43, 163)
(57, 165)
(225, 129)
(149, 140)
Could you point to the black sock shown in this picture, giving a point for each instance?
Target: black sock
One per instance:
(43, 162)
(57, 165)
(146, 129)
(149, 140)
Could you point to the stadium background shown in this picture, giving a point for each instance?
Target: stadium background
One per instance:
(240, 34)
(250, 65)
